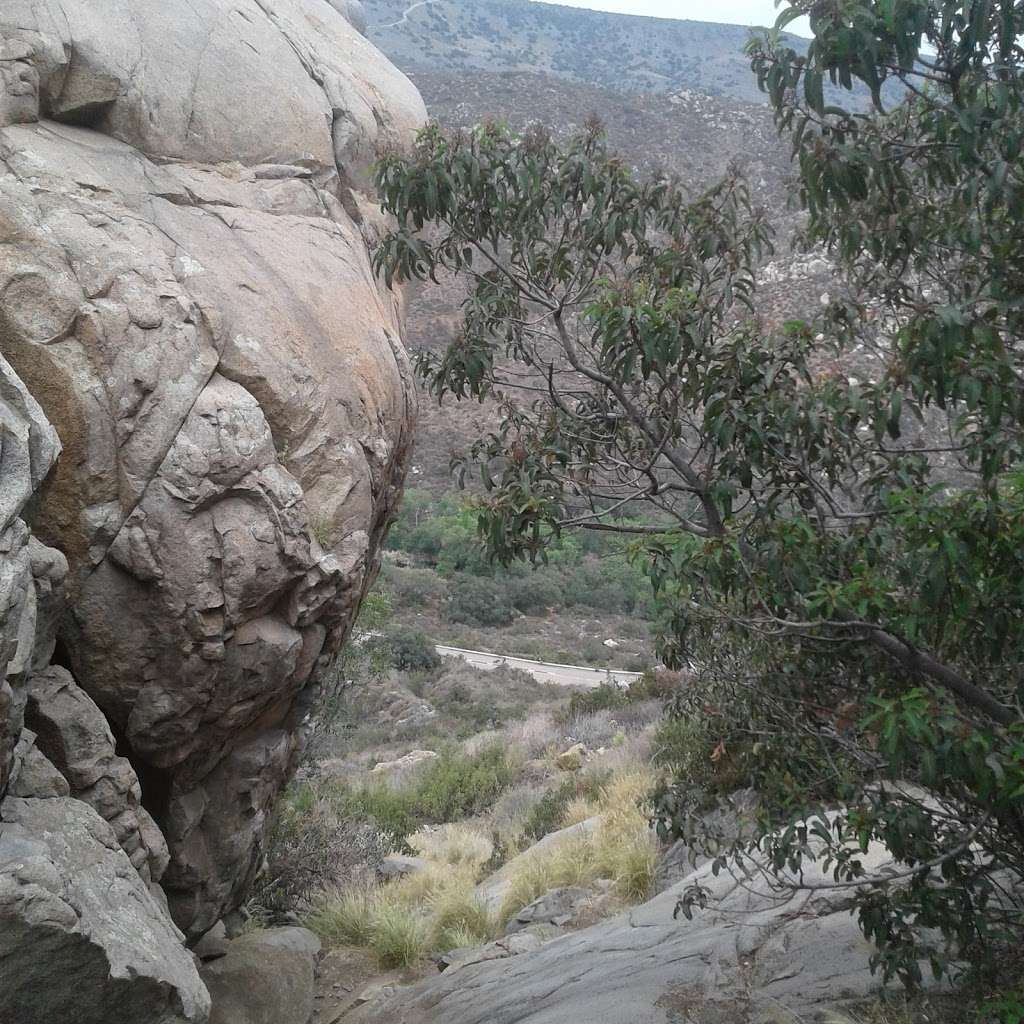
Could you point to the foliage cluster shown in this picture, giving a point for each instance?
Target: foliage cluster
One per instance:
(430, 912)
(845, 551)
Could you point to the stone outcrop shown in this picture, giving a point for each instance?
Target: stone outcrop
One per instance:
(31, 576)
(186, 291)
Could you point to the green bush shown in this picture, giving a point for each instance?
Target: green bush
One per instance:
(605, 697)
(547, 814)
(454, 786)
(414, 588)
(535, 593)
(478, 601)
(410, 650)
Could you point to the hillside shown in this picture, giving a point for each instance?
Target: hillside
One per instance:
(614, 51)
(686, 133)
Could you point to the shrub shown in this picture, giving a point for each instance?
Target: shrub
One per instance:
(415, 588)
(345, 917)
(535, 593)
(622, 848)
(410, 650)
(547, 813)
(684, 745)
(452, 844)
(312, 846)
(479, 601)
(458, 918)
(602, 698)
(453, 786)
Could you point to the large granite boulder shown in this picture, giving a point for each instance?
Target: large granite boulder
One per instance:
(187, 293)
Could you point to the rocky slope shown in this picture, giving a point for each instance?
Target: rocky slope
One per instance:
(188, 311)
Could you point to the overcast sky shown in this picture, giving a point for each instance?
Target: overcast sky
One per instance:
(730, 12)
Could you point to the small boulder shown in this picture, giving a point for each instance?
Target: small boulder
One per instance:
(214, 944)
(398, 865)
(265, 977)
(566, 907)
(411, 760)
(501, 949)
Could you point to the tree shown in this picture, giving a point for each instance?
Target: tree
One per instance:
(858, 541)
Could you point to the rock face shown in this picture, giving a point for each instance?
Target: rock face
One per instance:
(72, 735)
(186, 291)
(748, 958)
(31, 576)
(84, 933)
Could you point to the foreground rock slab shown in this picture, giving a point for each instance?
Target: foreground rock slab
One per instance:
(744, 960)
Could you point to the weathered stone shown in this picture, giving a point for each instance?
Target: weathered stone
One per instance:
(500, 949)
(353, 10)
(31, 576)
(203, 328)
(214, 944)
(73, 734)
(266, 977)
(81, 937)
(564, 907)
(33, 775)
(19, 84)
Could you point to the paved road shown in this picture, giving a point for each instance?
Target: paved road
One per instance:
(545, 672)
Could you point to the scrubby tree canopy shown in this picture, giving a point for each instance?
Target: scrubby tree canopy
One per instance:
(840, 553)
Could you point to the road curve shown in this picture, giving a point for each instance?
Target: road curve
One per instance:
(543, 671)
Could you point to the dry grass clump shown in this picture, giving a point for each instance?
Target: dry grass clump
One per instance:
(454, 844)
(427, 912)
(345, 917)
(537, 734)
(621, 848)
(398, 935)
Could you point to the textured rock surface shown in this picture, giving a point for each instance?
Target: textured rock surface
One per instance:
(31, 576)
(185, 288)
(747, 959)
(566, 906)
(74, 736)
(81, 937)
(266, 977)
